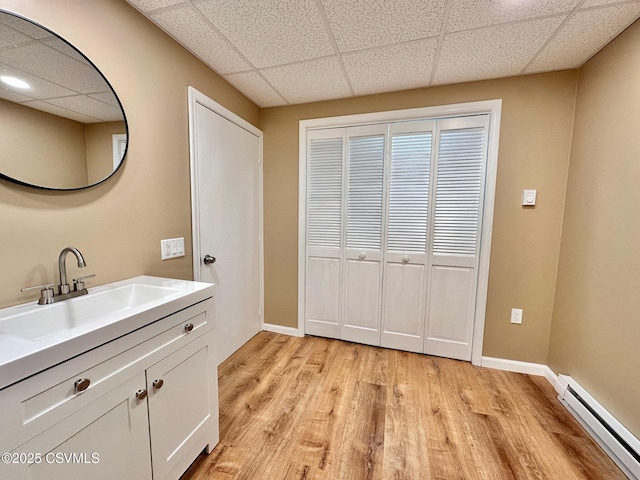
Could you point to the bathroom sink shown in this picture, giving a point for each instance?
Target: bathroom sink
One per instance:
(35, 337)
(80, 312)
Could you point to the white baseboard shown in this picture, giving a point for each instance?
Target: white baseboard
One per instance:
(601, 425)
(521, 367)
(625, 461)
(270, 327)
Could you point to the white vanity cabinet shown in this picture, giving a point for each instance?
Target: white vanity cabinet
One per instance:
(151, 406)
(107, 439)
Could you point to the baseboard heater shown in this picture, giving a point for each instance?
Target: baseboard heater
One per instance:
(620, 444)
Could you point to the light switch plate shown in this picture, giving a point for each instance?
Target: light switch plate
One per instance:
(172, 248)
(529, 197)
(516, 315)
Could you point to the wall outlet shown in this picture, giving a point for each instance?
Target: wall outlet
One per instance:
(516, 315)
(172, 248)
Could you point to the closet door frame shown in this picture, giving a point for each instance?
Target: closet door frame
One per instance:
(491, 107)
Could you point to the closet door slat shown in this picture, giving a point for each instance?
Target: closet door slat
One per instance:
(324, 192)
(409, 192)
(365, 177)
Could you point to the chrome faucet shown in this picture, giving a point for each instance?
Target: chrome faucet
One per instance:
(48, 296)
(63, 289)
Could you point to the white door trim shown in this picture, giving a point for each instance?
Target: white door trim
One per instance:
(491, 107)
(196, 97)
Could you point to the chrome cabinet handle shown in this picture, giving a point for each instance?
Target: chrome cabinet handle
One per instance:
(405, 259)
(188, 327)
(81, 384)
(141, 394)
(157, 384)
(362, 256)
(208, 260)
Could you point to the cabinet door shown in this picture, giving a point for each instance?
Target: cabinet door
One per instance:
(107, 439)
(183, 407)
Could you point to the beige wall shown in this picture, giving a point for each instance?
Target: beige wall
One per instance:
(40, 148)
(596, 328)
(117, 225)
(537, 116)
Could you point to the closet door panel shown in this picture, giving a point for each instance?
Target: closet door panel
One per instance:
(323, 297)
(325, 153)
(404, 301)
(461, 152)
(365, 211)
(451, 301)
(362, 302)
(409, 166)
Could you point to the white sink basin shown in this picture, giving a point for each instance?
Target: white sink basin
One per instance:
(35, 337)
(81, 311)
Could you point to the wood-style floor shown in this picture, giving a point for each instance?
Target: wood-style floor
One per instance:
(314, 408)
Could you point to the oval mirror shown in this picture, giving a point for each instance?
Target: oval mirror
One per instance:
(62, 127)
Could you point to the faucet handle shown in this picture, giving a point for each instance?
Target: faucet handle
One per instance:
(46, 293)
(78, 283)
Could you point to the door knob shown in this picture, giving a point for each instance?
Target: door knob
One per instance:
(208, 260)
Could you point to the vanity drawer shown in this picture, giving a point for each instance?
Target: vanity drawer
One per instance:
(41, 401)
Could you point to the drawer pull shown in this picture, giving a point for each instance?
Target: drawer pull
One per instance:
(188, 327)
(157, 384)
(82, 384)
(141, 394)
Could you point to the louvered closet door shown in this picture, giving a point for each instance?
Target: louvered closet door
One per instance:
(456, 210)
(364, 234)
(409, 168)
(323, 292)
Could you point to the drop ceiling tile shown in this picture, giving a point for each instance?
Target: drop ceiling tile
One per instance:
(106, 97)
(273, 32)
(254, 86)
(492, 52)
(64, 47)
(360, 24)
(596, 3)
(468, 14)
(88, 107)
(30, 29)
(570, 48)
(396, 67)
(60, 112)
(314, 80)
(149, 5)
(39, 88)
(55, 67)
(195, 33)
(12, 96)
(10, 37)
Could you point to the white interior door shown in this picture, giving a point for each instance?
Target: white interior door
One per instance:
(365, 210)
(457, 208)
(408, 231)
(323, 282)
(226, 202)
